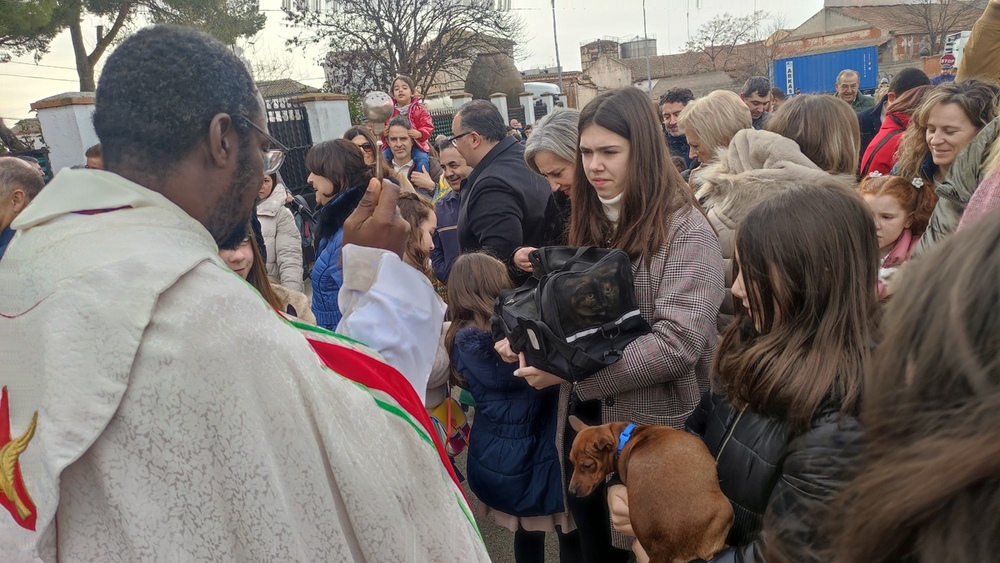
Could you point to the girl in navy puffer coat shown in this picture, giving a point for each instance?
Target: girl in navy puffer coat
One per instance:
(513, 465)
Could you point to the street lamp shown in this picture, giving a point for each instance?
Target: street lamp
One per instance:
(649, 73)
(556, 39)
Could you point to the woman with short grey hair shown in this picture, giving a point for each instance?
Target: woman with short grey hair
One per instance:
(550, 151)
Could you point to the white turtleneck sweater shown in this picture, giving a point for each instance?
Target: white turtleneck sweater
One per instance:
(612, 207)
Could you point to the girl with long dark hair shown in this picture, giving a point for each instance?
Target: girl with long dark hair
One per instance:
(787, 377)
(628, 195)
(929, 491)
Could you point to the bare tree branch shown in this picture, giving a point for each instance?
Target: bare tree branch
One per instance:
(938, 18)
(371, 41)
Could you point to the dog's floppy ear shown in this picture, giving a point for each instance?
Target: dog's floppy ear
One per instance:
(577, 424)
(605, 443)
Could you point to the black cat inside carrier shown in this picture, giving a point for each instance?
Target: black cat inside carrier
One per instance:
(575, 314)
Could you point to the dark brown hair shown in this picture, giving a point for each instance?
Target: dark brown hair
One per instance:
(339, 161)
(406, 80)
(257, 276)
(918, 202)
(654, 187)
(809, 260)
(474, 283)
(353, 132)
(929, 490)
(415, 209)
(908, 101)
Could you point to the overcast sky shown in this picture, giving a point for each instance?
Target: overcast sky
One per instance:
(578, 22)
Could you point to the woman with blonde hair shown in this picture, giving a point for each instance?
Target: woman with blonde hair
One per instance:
(709, 123)
(834, 147)
(973, 105)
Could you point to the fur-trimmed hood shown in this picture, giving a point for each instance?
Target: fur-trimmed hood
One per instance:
(476, 342)
(756, 165)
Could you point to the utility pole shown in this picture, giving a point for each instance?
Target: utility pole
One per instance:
(555, 37)
(649, 73)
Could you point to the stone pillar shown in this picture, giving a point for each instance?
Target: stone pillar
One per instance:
(528, 103)
(68, 127)
(329, 115)
(459, 100)
(500, 101)
(548, 99)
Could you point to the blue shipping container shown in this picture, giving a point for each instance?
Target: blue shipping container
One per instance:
(817, 73)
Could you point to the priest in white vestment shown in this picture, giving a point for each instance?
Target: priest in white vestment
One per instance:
(154, 407)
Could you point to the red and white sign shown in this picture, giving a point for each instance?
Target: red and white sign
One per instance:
(947, 61)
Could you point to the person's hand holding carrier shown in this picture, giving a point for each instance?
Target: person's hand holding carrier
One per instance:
(376, 221)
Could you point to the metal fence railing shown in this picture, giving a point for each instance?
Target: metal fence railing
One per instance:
(288, 123)
(442, 122)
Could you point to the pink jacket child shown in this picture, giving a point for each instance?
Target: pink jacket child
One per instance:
(899, 254)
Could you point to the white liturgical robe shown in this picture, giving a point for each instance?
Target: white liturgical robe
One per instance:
(155, 408)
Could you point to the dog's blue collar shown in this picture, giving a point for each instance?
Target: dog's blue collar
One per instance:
(624, 437)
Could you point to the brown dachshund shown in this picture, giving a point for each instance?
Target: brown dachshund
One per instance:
(676, 508)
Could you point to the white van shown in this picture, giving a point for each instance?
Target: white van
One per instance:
(536, 89)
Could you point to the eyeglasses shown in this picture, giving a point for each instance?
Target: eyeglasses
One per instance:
(273, 158)
(454, 138)
(366, 146)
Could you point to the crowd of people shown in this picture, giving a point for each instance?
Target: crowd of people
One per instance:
(815, 271)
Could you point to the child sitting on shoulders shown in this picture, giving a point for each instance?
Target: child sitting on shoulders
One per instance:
(411, 107)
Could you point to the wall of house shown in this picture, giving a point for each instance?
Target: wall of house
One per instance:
(825, 21)
(609, 73)
(891, 68)
(848, 39)
(590, 52)
(700, 84)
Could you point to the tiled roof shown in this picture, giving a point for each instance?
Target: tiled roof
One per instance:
(664, 66)
(901, 19)
(788, 52)
(283, 88)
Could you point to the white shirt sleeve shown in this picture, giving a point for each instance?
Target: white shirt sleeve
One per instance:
(392, 308)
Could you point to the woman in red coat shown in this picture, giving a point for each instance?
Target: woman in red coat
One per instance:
(881, 154)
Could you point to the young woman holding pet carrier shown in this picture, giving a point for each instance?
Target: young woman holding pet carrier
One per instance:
(628, 195)
(788, 373)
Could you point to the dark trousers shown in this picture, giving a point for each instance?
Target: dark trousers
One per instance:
(593, 523)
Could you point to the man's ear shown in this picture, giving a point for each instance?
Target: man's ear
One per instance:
(223, 140)
(19, 199)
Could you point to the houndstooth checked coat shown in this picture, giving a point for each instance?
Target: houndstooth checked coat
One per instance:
(661, 375)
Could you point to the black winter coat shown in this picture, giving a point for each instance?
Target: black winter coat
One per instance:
(771, 476)
(870, 121)
(504, 206)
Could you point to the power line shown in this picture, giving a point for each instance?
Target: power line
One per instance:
(46, 66)
(38, 77)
